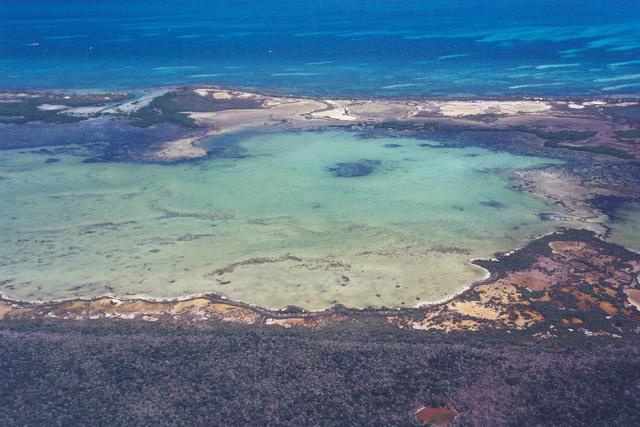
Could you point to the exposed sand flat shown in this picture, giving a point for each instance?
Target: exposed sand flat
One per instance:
(598, 103)
(179, 150)
(216, 94)
(472, 108)
(633, 295)
(566, 190)
(52, 107)
(5, 308)
(129, 106)
(623, 104)
(277, 111)
(376, 110)
(475, 309)
(335, 110)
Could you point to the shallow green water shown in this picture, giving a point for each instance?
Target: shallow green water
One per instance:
(274, 228)
(625, 230)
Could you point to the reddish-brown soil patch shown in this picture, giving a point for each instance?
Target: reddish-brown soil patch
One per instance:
(439, 417)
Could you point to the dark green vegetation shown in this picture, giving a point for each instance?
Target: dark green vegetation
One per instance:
(24, 109)
(362, 167)
(226, 146)
(552, 139)
(629, 113)
(609, 205)
(525, 257)
(171, 108)
(128, 373)
(602, 150)
(628, 134)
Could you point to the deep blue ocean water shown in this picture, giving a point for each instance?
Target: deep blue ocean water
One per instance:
(326, 47)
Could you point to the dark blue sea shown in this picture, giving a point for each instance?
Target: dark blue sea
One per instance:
(326, 47)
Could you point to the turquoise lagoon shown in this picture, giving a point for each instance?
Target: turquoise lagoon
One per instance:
(625, 228)
(273, 226)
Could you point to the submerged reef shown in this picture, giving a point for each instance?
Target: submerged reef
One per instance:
(362, 167)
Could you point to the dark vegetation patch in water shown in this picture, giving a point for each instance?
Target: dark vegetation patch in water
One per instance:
(99, 140)
(108, 139)
(492, 204)
(362, 167)
(553, 138)
(226, 146)
(549, 216)
(609, 205)
(392, 145)
(620, 177)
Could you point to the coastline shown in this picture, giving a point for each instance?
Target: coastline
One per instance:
(195, 309)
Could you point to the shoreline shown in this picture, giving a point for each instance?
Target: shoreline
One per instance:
(132, 90)
(198, 308)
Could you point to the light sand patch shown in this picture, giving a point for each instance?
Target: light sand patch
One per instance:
(126, 107)
(214, 93)
(594, 103)
(52, 107)
(566, 247)
(179, 149)
(474, 309)
(633, 295)
(472, 108)
(203, 92)
(335, 110)
(222, 95)
(5, 308)
(286, 323)
(379, 111)
(292, 111)
(624, 104)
